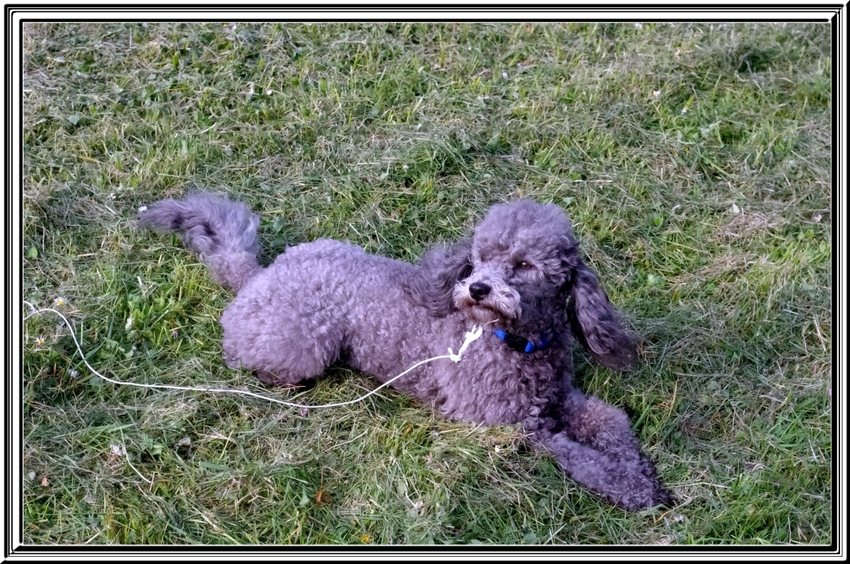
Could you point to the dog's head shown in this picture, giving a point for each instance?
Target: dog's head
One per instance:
(522, 271)
(517, 265)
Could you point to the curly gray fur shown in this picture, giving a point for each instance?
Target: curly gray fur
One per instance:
(520, 272)
(221, 231)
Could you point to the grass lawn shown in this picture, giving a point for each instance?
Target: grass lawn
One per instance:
(694, 161)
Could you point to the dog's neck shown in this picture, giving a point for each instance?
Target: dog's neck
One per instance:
(534, 333)
(521, 344)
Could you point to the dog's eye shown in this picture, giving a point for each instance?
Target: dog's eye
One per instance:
(524, 265)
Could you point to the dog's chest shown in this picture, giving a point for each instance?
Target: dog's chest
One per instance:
(493, 384)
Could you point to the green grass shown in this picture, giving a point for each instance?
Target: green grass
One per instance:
(693, 160)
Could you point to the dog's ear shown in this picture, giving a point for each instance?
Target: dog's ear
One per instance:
(436, 275)
(596, 323)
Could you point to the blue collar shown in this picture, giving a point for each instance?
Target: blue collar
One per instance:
(520, 344)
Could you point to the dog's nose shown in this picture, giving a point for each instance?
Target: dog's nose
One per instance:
(478, 291)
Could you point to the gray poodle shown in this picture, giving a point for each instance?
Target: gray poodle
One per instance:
(520, 276)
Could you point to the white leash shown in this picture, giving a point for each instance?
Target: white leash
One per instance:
(471, 336)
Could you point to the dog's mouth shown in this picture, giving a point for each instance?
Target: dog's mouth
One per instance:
(481, 312)
(496, 306)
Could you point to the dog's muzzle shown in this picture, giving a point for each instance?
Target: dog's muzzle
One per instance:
(485, 301)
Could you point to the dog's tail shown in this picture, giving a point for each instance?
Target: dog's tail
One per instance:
(223, 232)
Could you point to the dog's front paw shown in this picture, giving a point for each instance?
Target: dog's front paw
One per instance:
(638, 493)
(640, 487)
(665, 497)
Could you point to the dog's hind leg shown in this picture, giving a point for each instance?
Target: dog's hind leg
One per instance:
(597, 448)
(281, 351)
